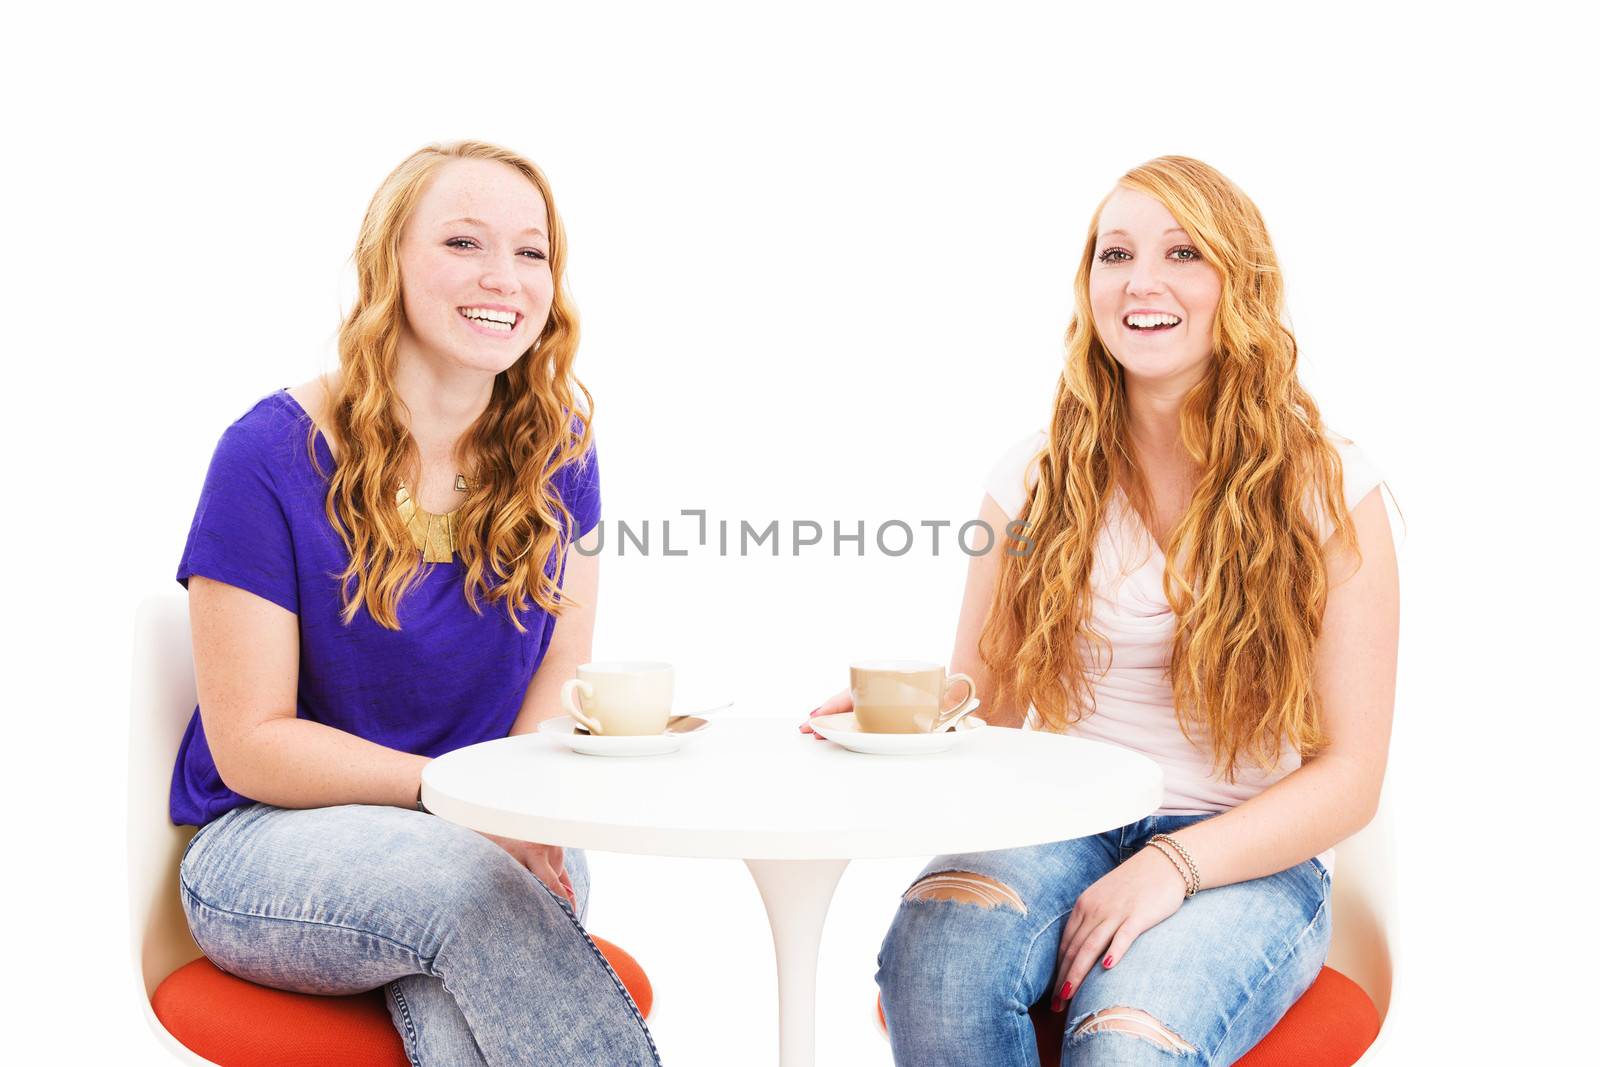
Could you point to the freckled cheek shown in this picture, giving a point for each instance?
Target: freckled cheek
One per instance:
(543, 294)
(1204, 299)
(1201, 319)
(418, 307)
(430, 289)
(1101, 311)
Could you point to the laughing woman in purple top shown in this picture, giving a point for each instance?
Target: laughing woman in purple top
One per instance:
(382, 568)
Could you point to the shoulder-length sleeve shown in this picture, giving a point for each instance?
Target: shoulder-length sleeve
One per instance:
(1011, 478)
(1361, 476)
(579, 485)
(240, 534)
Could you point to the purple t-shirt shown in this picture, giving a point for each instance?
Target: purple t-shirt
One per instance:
(447, 678)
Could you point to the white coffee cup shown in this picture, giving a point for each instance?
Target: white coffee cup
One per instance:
(622, 698)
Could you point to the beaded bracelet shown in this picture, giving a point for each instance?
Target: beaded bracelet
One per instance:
(1188, 890)
(1193, 881)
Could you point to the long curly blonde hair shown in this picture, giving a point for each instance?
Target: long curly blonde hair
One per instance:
(513, 529)
(1245, 574)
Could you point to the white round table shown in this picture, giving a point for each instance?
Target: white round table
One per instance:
(796, 810)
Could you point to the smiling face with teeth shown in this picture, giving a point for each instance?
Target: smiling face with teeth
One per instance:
(475, 269)
(1153, 296)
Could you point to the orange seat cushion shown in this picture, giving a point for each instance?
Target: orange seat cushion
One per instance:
(1331, 1025)
(632, 975)
(240, 1024)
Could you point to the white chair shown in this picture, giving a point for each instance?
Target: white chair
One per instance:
(163, 699)
(1364, 917)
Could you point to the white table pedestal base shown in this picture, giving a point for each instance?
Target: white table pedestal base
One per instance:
(797, 894)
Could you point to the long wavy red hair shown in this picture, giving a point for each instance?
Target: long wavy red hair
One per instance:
(513, 529)
(1245, 574)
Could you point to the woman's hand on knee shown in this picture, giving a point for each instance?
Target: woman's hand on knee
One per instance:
(840, 701)
(1111, 914)
(545, 862)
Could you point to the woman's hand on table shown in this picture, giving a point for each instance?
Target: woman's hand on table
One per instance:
(546, 862)
(1111, 913)
(840, 701)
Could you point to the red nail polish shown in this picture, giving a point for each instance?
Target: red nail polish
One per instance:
(1055, 1004)
(1066, 991)
(1108, 961)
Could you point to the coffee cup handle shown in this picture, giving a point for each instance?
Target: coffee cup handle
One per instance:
(573, 708)
(949, 713)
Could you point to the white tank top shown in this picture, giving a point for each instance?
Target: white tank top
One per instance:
(1133, 699)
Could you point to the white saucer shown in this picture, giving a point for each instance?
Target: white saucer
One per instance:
(589, 744)
(842, 729)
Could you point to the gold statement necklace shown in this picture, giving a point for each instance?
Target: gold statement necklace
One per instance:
(434, 534)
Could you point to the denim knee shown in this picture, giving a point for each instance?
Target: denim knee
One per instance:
(947, 968)
(475, 881)
(1125, 1037)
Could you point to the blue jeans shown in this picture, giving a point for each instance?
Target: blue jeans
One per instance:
(480, 963)
(958, 978)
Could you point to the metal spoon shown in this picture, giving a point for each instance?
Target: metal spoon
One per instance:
(679, 724)
(966, 709)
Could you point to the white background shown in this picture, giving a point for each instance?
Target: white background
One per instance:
(823, 258)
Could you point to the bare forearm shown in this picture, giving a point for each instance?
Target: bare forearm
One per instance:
(985, 686)
(1011, 716)
(572, 643)
(543, 699)
(297, 763)
(1299, 816)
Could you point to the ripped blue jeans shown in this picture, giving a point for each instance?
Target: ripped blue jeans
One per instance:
(958, 978)
(479, 962)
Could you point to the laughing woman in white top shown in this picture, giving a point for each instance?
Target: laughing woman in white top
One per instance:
(1206, 576)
